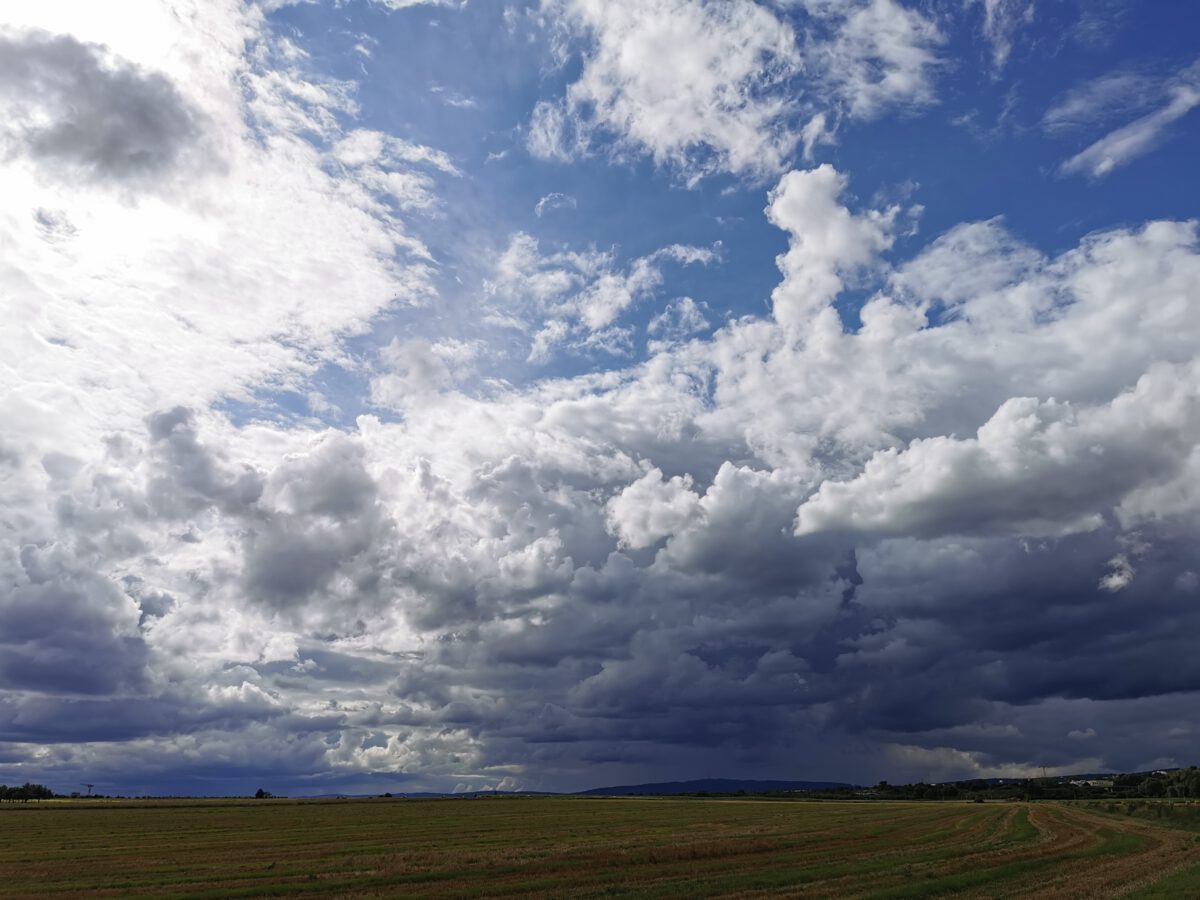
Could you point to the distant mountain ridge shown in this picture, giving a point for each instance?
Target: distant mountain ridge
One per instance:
(712, 786)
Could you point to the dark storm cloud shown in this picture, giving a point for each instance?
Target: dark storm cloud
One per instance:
(50, 720)
(730, 638)
(75, 107)
(66, 631)
(626, 656)
(869, 649)
(1015, 626)
(325, 521)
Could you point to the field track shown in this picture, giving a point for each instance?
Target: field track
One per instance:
(567, 847)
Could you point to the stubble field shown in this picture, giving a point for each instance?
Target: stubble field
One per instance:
(570, 847)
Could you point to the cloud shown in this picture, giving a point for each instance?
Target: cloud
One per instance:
(324, 531)
(417, 370)
(1100, 101)
(940, 539)
(1120, 574)
(827, 243)
(495, 576)
(1002, 19)
(552, 201)
(453, 98)
(873, 55)
(652, 508)
(1139, 137)
(294, 214)
(575, 298)
(409, 4)
(1035, 468)
(362, 147)
(969, 261)
(691, 84)
(680, 319)
(815, 133)
(188, 477)
(186, 199)
(709, 87)
(80, 111)
(383, 164)
(534, 577)
(68, 631)
(551, 135)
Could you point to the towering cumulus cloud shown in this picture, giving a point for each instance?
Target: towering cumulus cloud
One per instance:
(674, 408)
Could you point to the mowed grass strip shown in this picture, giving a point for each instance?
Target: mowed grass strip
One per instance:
(544, 846)
(1182, 885)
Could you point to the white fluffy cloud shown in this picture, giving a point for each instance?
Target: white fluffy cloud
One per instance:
(689, 83)
(129, 291)
(730, 87)
(574, 299)
(652, 508)
(417, 370)
(970, 261)
(873, 55)
(1036, 467)
(680, 319)
(827, 243)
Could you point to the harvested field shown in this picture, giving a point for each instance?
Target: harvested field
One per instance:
(570, 847)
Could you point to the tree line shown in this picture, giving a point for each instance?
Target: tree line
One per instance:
(26, 792)
(1178, 783)
(30, 791)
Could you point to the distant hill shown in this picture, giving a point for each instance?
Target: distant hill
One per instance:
(418, 795)
(713, 786)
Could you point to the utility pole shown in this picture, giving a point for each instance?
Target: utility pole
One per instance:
(89, 787)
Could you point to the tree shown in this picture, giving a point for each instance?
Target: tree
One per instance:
(26, 792)
(1154, 787)
(260, 794)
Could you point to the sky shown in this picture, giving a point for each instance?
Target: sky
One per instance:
(543, 394)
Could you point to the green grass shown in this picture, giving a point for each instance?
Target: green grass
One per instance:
(1021, 831)
(1183, 885)
(1171, 813)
